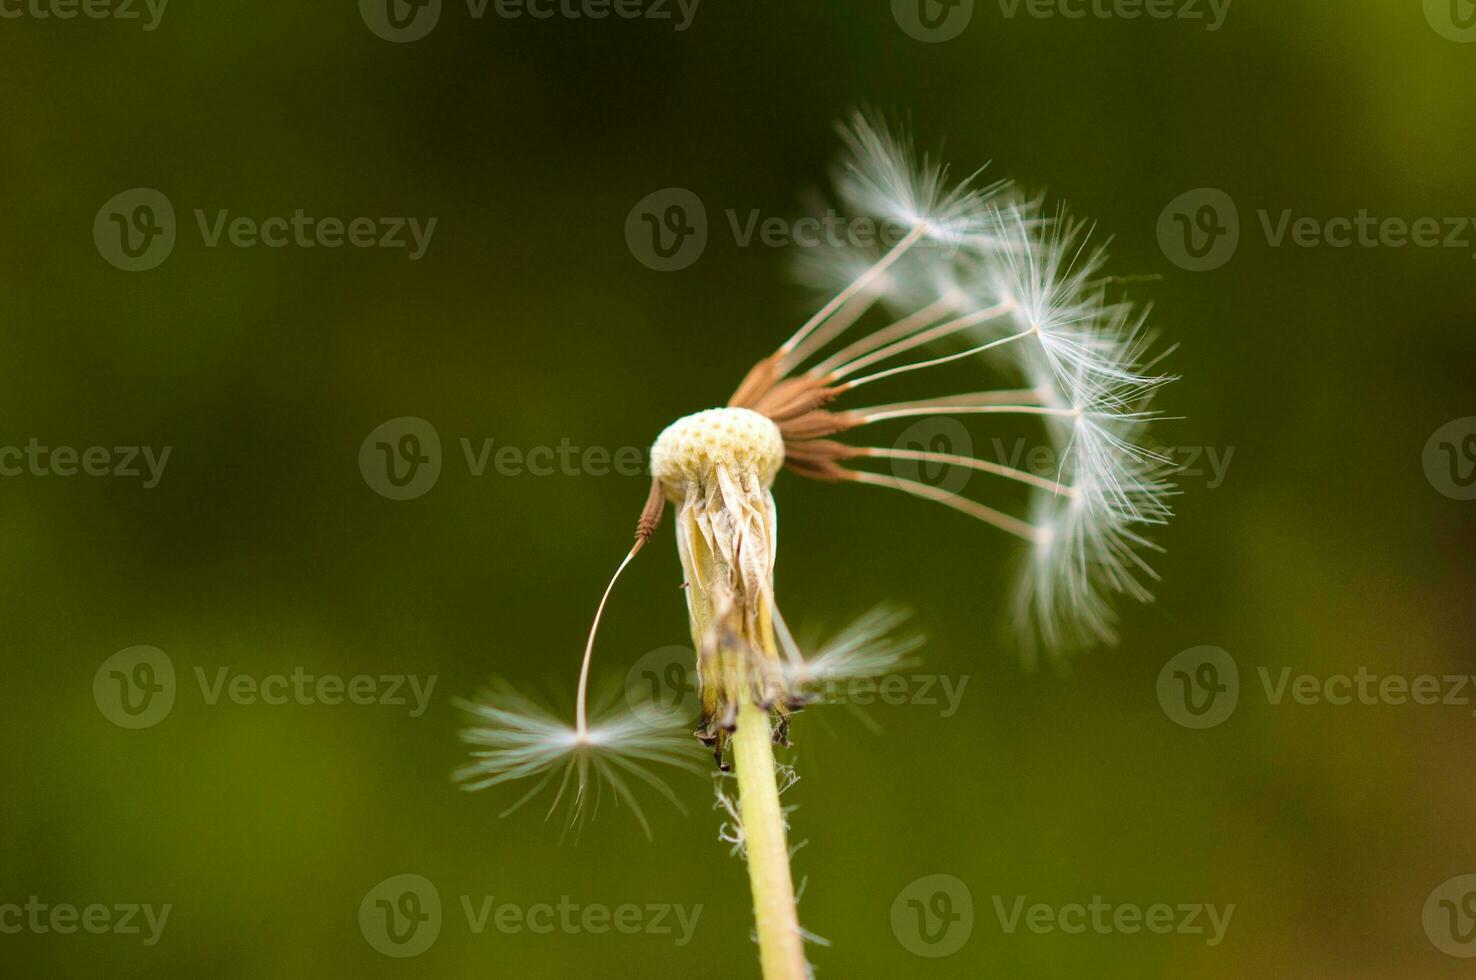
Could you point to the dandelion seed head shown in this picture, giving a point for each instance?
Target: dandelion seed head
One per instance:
(738, 439)
(717, 467)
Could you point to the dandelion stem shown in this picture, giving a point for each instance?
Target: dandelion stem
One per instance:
(902, 328)
(851, 311)
(927, 491)
(927, 337)
(881, 413)
(581, 721)
(982, 465)
(1017, 396)
(781, 947)
(861, 282)
(934, 362)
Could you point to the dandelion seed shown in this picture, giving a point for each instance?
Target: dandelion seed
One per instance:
(516, 738)
(869, 647)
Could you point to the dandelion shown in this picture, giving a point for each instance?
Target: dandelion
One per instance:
(977, 273)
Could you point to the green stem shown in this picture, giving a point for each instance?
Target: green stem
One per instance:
(781, 948)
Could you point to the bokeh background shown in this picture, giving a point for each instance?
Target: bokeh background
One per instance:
(1326, 547)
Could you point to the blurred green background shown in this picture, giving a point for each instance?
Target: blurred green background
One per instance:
(528, 321)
